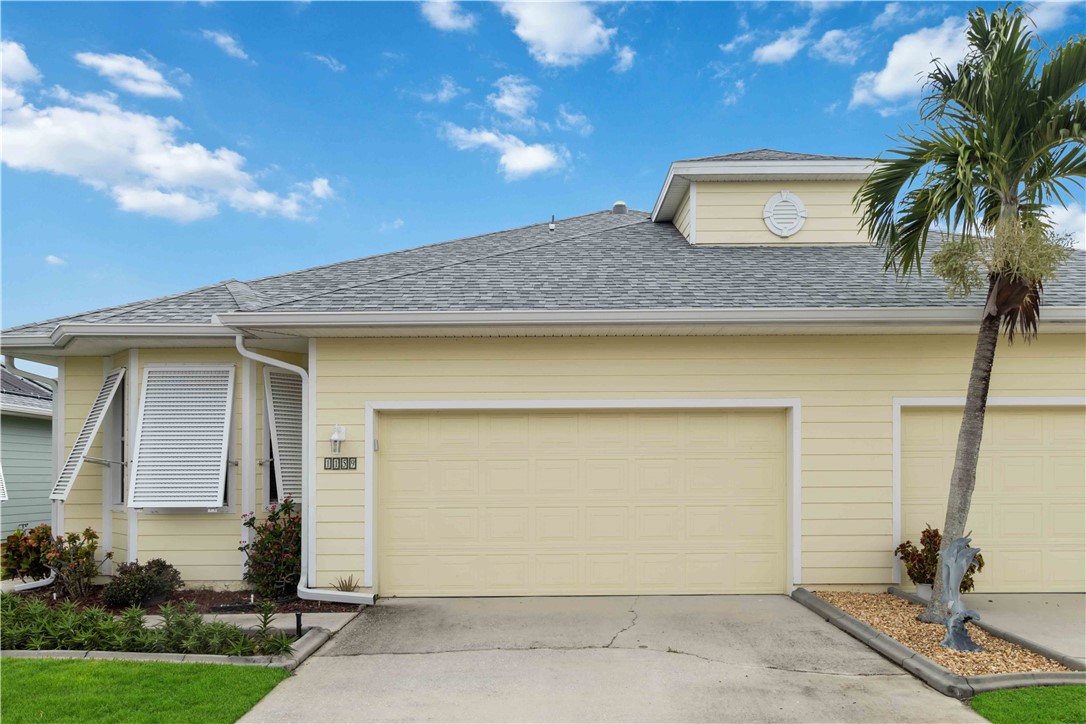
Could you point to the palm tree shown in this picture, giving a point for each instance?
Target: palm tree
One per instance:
(1002, 134)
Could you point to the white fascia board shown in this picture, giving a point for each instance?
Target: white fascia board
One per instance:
(681, 173)
(65, 333)
(20, 411)
(797, 315)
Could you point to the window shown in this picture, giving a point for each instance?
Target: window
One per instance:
(283, 396)
(86, 436)
(183, 437)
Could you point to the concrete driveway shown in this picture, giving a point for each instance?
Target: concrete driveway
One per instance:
(657, 658)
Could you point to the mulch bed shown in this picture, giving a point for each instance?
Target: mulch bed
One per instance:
(896, 618)
(208, 601)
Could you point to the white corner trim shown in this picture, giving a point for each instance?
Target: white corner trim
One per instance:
(310, 499)
(248, 449)
(108, 443)
(951, 402)
(693, 212)
(131, 400)
(792, 405)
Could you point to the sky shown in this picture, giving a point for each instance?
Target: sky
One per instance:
(151, 148)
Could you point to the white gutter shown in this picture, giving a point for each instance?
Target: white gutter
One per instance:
(55, 509)
(309, 489)
(783, 315)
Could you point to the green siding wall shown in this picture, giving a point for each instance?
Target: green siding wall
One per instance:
(28, 471)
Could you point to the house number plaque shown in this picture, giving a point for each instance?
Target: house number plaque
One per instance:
(341, 463)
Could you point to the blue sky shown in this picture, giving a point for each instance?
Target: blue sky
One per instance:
(156, 147)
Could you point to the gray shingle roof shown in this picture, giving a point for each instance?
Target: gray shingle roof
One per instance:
(769, 154)
(596, 261)
(19, 394)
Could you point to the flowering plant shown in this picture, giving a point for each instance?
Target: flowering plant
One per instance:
(71, 558)
(24, 553)
(273, 560)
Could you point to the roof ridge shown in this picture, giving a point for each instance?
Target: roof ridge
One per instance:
(459, 262)
(422, 246)
(117, 308)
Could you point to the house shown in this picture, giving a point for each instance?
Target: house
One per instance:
(727, 394)
(26, 456)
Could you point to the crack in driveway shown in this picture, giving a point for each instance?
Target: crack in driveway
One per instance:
(633, 610)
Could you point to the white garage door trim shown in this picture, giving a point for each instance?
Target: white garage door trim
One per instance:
(900, 402)
(791, 405)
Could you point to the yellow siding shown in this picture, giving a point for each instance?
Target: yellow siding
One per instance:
(682, 217)
(846, 385)
(82, 379)
(730, 212)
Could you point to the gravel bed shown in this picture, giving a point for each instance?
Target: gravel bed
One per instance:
(896, 618)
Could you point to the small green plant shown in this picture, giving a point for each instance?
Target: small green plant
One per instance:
(345, 584)
(273, 559)
(30, 624)
(24, 553)
(922, 565)
(137, 585)
(71, 558)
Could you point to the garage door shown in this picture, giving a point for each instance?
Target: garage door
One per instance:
(581, 503)
(1029, 506)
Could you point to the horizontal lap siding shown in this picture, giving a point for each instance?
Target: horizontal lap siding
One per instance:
(28, 471)
(731, 212)
(83, 377)
(846, 385)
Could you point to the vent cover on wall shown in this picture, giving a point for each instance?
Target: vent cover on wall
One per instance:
(784, 214)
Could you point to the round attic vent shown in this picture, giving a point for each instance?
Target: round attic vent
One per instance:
(784, 214)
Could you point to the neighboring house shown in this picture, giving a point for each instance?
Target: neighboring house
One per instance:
(26, 457)
(725, 395)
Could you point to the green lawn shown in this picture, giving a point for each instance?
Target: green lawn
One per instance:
(52, 690)
(1042, 705)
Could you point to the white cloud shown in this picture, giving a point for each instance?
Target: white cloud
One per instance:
(517, 159)
(838, 46)
(445, 15)
(15, 66)
(737, 42)
(319, 188)
(129, 74)
(572, 121)
(784, 48)
(138, 159)
(53, 260)
(737, 91)
(388, 226)
(908, 63)
(1071, 220)
(447, 90)
(515, 99)
(334, 65)
(890, 15)
(898, 14)
(561, 33)
(1049, 15)
(624, 59)
(227, 43)
(172, 205)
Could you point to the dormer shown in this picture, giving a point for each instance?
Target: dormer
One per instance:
(764, 198)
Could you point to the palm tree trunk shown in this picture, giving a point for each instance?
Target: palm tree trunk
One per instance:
(964, 477)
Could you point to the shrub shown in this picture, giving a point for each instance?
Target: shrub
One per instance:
(24, 553)
(923, 565)
(71, 558)
(136, 585)
(273, 561)
(30, 624)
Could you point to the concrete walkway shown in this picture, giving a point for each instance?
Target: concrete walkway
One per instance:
(1056, 620)
(693, 658)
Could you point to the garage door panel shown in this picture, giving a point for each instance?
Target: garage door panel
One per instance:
(584, 503)
(1029, 505)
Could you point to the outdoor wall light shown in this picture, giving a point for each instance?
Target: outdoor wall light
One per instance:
(338, 436)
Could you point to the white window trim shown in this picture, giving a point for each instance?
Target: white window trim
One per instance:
(950, 402)
(793, 406)
(231, 463)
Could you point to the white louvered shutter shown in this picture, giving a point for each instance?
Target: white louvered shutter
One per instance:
(182, 437)
(86, 436)
(283, 391)
(3, 486)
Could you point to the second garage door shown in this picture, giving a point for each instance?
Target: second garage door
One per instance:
(581, 503)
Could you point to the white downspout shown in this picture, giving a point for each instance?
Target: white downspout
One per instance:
(56, 514)
(309, 487)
